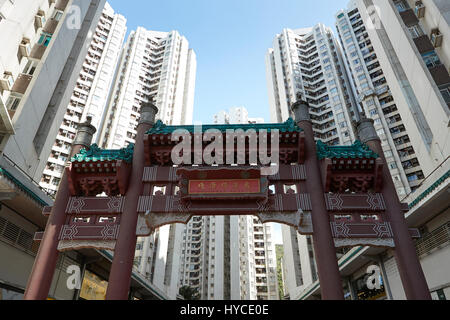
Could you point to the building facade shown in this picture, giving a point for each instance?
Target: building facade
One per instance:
(44, 46)
(156, 66)
(399, 73)
(377, 101)
(90, 95)
(309, 62)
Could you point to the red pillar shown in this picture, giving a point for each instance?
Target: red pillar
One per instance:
(324, 248)
(122, 265)
(411, 273)
(44, 266)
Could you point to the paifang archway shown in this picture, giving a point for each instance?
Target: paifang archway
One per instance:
(331, 185)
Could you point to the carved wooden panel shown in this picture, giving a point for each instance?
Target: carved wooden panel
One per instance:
(89, 232)
(355, 202)
(276, 203)
(345, 229)
(95, 205)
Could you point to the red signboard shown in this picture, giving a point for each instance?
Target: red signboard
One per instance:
(234, 186)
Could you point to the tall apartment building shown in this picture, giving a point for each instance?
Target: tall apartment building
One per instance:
(309, 62)
(377, 101)
(159, 67)
(43, 49)
(235, 115)
(411, 40)
(90, 95)
(397, 56)
(230, 257)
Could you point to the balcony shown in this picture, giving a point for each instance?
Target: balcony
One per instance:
(440, 75)
(409, 17)
(38, 51)
(21, 83)
(423, 44)
(51, 26)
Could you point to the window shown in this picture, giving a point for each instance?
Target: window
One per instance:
(446, 94)
(57, 15)
(400, 5)
(365, 85)
(415, 31)
(45, 39)
(13, 103)
(431, 59)
(393, 165)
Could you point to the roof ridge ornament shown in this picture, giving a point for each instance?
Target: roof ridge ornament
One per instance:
(358, 150)
(95, 153)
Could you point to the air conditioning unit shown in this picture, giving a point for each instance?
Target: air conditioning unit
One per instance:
(7, 81)
(40, 20)
(436, 38)
(25, 48)
(419, 9)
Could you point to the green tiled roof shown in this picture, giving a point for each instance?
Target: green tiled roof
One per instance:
(95, 154)
(356, 151)
(288, 126)
(430, 189)
(22, 187)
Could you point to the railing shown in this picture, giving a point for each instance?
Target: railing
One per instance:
(436, 239)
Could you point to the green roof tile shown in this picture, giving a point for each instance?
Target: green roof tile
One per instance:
(356, 151)
(288, 126)
(95, 154)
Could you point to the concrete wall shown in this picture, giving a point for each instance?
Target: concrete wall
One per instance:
(426, 117)
(36, 120)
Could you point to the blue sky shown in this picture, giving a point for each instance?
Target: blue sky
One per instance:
(230, 39)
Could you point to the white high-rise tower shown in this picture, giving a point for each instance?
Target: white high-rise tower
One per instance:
(90, 95)
(159, 67)
(155, 66)
(309, 62)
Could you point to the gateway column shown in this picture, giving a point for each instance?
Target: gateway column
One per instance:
(411, 273)
(324, 248)
(122, 265)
